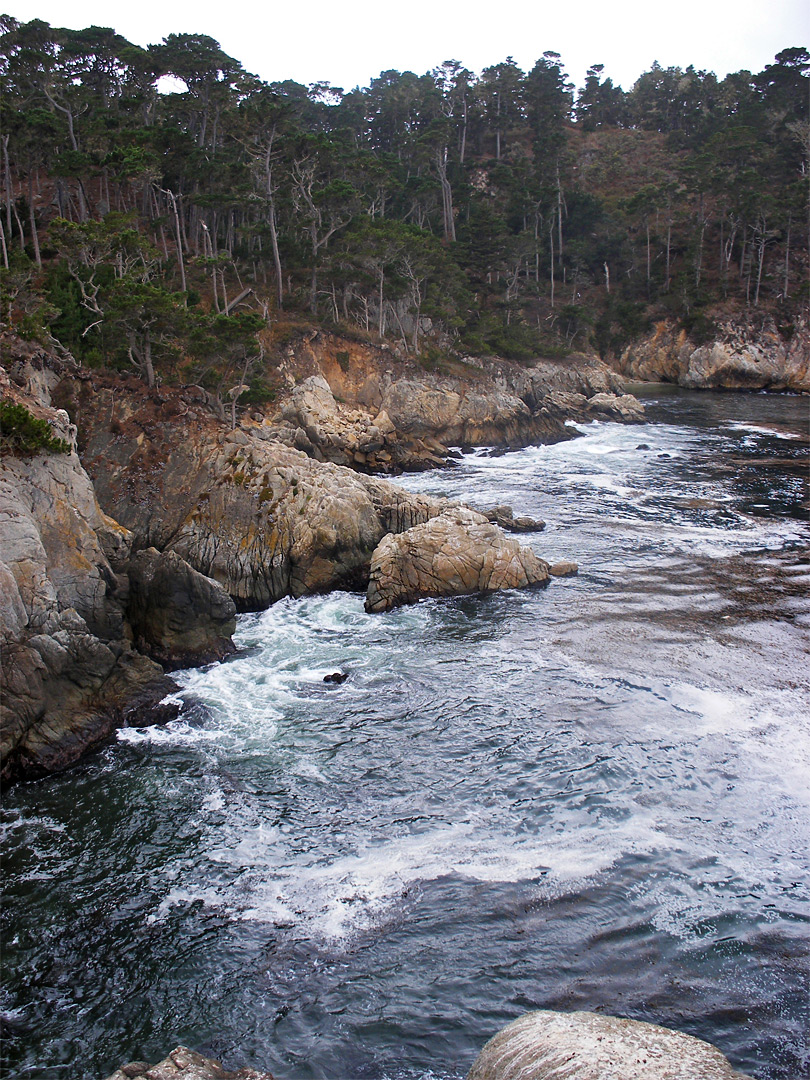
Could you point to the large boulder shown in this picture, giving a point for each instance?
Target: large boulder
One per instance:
(179, 617)
(548, 1045)
(455, 553)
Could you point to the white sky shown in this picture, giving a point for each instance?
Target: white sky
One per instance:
(348, 42)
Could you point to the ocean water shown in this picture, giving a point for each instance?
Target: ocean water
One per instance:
(590, 796)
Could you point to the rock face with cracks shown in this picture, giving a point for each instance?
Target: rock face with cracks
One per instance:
(740, 357)
(586, 1046)
(455, 553)
(179, 617)
(69, 672)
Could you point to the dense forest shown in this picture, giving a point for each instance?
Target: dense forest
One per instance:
(163, 208)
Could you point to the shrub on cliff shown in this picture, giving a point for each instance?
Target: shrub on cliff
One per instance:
(23, 433)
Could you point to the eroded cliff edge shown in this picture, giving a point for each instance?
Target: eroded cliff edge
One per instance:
(129, 554)
(741, 355)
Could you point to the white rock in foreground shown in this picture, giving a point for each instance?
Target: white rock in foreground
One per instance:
(585, 1046)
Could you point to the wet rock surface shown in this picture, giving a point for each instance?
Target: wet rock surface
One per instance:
(185, 1064)
(548, 1045)
(457, 553)
(179, 617)
(70, 673)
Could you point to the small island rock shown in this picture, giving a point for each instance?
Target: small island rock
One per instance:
(456, 553)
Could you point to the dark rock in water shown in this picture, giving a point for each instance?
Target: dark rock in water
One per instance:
(179, 617)
(585, 1046)
(336, 677)
(185, 1064)
(643, 446)
(665, 455)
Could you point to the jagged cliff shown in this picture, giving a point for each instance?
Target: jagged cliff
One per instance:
(741, 357)
(131, 556)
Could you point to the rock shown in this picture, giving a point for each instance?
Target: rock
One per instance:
(622, 407)
(262, 519)
(184, 1064)
(69, 673)
(563, 569)
(504, 518)
(586, 1046)
(350, 406)
(179, 617)
(456, 553)
(336, 677)
(744, 354)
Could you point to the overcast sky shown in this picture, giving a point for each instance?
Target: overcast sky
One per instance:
(350, 42)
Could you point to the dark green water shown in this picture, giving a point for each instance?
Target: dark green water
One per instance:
(595, 796)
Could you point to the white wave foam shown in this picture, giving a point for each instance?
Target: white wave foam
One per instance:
(756, 429)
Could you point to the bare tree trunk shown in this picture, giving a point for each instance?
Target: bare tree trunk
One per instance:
(498, 126)
(551, 260)
(20, 227)
(7, 185)
(762, 240)
(559, 215)
(34, 237)
(276, 256)
(447, 196)
(173, 200)
(699, 254)
(3, 244)
(787, 259)
(463, 145)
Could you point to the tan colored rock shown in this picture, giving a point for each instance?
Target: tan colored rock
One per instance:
(548, 1045)
(456, 553)
(744, 356)
(69, 674)
(563, 569)
(185, 1064)
(622, 407)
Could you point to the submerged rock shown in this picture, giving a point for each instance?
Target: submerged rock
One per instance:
(456, 553)
(184, 1064)
(548, 1045)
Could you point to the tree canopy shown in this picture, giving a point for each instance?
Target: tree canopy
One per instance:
(505, 212)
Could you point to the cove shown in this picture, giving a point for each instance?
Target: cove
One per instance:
(594, 796)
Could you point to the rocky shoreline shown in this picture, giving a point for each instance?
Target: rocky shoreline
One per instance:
(130, 554)
(740, 356)
(542, 1045)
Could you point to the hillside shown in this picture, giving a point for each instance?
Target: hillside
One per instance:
(191, 236)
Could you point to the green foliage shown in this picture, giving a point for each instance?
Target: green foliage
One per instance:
(179, 211)
(23, 433)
